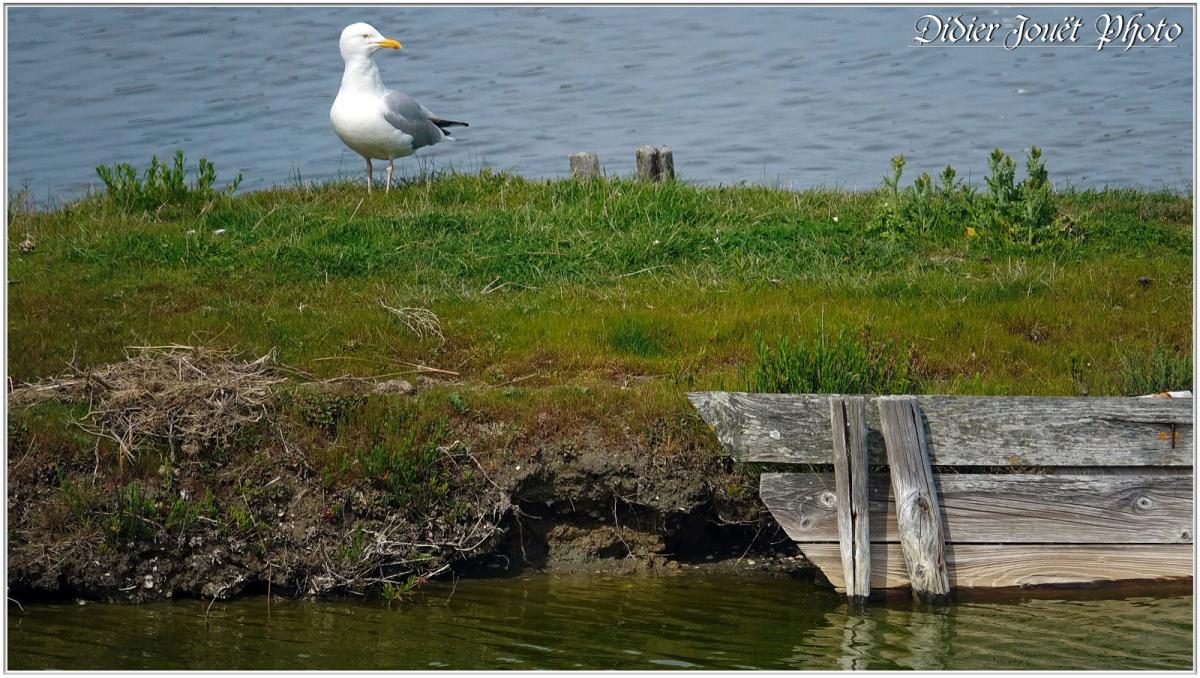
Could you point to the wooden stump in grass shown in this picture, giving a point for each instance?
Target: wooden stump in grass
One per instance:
(584, 165)
(647, 163)
(655, 164)
(666, 164)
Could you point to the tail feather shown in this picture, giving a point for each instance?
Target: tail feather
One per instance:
(442, 124)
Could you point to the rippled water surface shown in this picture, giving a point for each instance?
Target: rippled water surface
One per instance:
(546, 622)
(798, 96)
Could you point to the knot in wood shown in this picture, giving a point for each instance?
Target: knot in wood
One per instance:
(828, 499)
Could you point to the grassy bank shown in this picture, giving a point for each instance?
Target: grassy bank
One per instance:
(600, 284)
(539, 319)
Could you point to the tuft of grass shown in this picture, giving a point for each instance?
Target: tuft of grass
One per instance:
(1157, 370)
(162, 184)
(637, 337)
(843, 363)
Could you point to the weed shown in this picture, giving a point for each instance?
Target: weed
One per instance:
(133, 517)
(409, 467)
(1014, 213)
(326, 410)
(458, 403)
(180, 516)
(162, 184)
(397, 591)
(239, 518)
(77, 498)
(353, 551)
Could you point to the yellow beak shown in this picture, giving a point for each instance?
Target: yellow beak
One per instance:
(388, 42)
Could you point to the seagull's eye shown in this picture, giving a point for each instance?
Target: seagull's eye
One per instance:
(366, 35)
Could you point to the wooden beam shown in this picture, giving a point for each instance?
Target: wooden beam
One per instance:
(965, 430)
(848, 422)
(1009, 565)
(918, 517)
(1003, 508)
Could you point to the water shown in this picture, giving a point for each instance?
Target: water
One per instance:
(795, 96)
(549, 622)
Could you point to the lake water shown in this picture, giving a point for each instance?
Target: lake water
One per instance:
(793, 96)
(636, 623)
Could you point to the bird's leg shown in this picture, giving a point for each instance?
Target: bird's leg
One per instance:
(389, 177)
(370, 175)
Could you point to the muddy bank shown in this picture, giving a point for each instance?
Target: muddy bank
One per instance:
(356, 489)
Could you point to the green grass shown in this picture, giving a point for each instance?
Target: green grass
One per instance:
(612, 286)
(842, 363)
(1160, 369)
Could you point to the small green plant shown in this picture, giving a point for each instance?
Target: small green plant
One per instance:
(75, 496)
(162, 184)
(352, 552)
(840, 364)
(457, 402)
(133, 517)
(1160, 369)
(239, 517)
(409, 468)
(326, 411)
(396, 591)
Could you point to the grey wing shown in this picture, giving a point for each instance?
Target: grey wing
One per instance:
(406, 115)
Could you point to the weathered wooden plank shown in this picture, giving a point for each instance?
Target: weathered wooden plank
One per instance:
(1006, 565)
(848, 423)
(974, 430)
(584, 165)
(1009, 508)
(918, 516)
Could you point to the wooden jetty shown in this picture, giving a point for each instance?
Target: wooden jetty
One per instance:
(934, 493)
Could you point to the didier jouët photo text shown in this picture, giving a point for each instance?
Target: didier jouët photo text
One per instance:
(1121, 30)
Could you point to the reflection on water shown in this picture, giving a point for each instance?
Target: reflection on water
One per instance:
(804, 96)
(544, 622)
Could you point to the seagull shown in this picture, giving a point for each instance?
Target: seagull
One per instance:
(374, 121)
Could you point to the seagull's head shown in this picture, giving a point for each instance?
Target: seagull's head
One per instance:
(363, 40)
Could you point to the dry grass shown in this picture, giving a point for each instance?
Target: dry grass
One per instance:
(422, 322)
(187, 397)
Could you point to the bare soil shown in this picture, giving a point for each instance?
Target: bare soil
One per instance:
(215, 521)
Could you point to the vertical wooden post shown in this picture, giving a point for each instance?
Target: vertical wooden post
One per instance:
(666, 164)
(647, 163)
(848, 419)
(918, 515)
(584, 165)
(655, 164)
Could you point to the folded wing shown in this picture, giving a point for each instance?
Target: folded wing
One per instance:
(410, 117)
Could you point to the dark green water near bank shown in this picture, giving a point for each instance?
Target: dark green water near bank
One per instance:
(552, 622)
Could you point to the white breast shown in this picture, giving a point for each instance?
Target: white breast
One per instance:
(358, 121)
